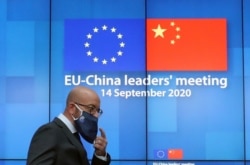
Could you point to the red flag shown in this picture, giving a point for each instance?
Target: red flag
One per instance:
(175, 154)
(186, 45)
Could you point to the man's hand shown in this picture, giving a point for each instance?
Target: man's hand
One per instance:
(100, 144)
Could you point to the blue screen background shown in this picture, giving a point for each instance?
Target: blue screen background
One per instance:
(211, 127)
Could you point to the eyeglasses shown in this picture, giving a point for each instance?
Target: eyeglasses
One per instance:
(92, 109)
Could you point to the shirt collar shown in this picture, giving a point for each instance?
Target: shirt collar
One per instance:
(66, 121)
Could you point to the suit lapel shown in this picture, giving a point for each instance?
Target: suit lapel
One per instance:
(71, 137)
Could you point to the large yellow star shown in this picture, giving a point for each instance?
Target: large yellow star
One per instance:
(159, 31)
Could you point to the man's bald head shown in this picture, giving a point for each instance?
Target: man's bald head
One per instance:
(80, 95)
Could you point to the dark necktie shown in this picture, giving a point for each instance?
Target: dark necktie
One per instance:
(77, 137)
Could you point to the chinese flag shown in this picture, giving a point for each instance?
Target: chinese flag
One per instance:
(175, 154)
(186, 45)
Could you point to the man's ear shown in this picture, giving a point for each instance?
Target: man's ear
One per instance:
(71, 108)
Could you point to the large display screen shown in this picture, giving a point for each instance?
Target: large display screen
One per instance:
(24, 74)
(196, 49)
(247, 77)
(173, 76)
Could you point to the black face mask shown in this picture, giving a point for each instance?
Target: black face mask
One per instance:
(87, 125)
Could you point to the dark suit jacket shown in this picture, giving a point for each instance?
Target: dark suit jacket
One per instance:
(54, 144)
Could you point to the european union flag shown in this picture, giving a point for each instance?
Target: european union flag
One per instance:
(104, 45)
(160, 154)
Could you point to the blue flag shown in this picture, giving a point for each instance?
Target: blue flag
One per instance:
(104, 45)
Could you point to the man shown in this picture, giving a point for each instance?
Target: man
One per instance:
(58, 142)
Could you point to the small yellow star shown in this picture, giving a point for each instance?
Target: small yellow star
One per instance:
(159, 31)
